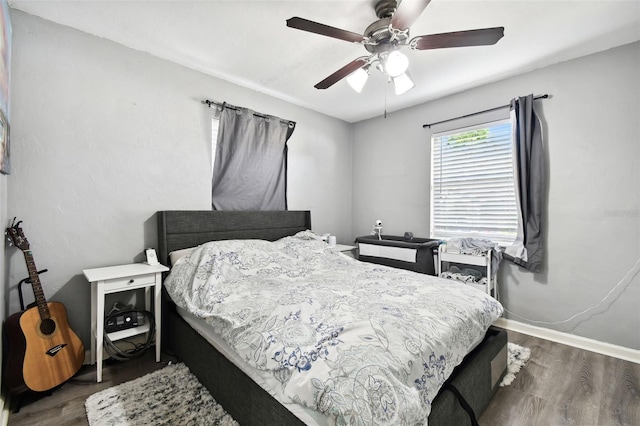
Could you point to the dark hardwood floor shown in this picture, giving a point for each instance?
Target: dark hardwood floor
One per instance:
(65, 405)
(563, 385)
(560, 385)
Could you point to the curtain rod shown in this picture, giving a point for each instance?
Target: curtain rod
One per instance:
(545, 96)
(226, 105)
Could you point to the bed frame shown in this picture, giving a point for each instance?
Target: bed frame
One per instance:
(476, 378)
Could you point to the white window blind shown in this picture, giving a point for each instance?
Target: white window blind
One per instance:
(472, 183)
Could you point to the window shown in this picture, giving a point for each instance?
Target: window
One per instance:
(472, 183)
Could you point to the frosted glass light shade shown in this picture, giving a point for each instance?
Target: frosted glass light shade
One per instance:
(357, 79)
(396, 64)
(403, 83)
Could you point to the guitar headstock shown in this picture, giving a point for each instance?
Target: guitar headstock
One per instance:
(17, 236)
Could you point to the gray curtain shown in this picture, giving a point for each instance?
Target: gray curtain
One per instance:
(250, 171)
(529, 171)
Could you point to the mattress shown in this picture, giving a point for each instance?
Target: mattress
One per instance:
(262, 378)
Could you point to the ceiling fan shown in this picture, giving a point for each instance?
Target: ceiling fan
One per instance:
(384, 38)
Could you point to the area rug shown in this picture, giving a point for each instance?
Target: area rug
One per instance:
(170, 396)
(517, 357)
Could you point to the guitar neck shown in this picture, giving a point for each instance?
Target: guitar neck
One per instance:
(38, 293)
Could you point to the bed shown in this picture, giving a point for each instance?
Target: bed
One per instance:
(239, 391)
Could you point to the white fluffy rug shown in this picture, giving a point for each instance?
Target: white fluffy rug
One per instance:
(517, 357)
(170, 396)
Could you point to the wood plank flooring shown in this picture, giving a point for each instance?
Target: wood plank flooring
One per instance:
(563, 385)
(560, 385)
(65, 406)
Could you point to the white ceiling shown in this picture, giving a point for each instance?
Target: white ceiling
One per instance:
(248, 42)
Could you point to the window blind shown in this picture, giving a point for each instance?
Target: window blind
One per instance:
(472, 183)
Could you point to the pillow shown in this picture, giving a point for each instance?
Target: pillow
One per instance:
(174, 256)
(308, 235)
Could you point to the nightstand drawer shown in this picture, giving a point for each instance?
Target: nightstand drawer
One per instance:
(119, 284)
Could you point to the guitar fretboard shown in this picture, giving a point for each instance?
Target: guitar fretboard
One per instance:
(41, 301)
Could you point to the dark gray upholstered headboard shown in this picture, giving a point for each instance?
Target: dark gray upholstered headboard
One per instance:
(179, 229)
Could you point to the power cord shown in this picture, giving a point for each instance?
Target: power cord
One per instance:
(123, 355)
(632, 272)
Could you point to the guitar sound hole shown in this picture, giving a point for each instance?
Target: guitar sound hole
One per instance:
(47, 326)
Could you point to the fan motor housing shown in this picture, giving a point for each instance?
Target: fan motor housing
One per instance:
(379, 34)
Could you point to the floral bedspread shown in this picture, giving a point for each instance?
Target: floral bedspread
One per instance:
(364, 343)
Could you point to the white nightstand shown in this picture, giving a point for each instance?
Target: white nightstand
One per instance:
(346, 249)
(115, 279)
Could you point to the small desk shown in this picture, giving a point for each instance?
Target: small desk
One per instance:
(115, 279)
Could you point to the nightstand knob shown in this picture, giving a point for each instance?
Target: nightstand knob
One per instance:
(131, 281)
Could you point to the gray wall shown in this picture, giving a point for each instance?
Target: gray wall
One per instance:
(3, 253)
(104, 136)
(593, 218)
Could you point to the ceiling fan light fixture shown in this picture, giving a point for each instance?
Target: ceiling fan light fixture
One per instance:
(396, 63)
(357, 79)
(403, 83)
(384, 38)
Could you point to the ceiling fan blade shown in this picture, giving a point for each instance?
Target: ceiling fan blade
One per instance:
(341, 73)
(407, 13)
(482, 37)
(322, 29)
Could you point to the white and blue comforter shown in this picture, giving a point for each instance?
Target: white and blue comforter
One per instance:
(361, 342)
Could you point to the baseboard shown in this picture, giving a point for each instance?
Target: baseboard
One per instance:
(591, 345)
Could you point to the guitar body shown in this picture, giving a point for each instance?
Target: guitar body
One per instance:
(42, 354)
(51, 357)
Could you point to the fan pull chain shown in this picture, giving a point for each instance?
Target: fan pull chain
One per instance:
(385, 99)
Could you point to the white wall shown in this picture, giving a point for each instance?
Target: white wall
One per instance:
(592, 234)
(103, 136)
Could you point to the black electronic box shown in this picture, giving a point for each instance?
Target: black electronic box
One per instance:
(124, 321)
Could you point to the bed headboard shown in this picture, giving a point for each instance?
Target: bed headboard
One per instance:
(179, 229)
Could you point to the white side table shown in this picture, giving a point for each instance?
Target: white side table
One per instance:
(346, 249)
(115, 279)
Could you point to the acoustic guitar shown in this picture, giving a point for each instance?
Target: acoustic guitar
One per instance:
(43, 351)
